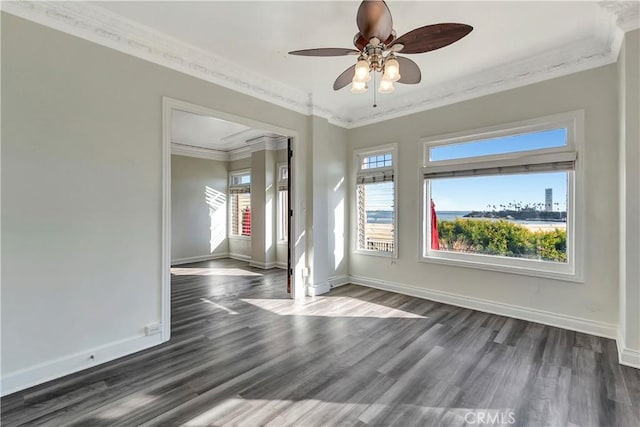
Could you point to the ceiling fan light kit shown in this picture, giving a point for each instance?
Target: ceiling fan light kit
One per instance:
(378, 45)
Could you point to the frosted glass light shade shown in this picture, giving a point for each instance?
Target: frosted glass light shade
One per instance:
(362, 72)
(386, 86)
(392, 70)
(358, 87)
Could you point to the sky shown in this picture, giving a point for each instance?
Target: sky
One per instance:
(467, 194)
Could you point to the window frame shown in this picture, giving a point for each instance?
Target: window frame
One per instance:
(573, 121)
(281, 217)
(358, 156)
(233, 174)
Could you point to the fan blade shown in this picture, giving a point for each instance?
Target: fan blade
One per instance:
(345, 78)
(432, 37)
(409, 71)
(325, 52)
(359, 41)
(374, 20)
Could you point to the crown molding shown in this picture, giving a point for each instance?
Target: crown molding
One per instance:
(199, 152)
(262, 143)
(562, 61)
(267, 143)
(106, 28)
(625, 13)
(93, 23)
(240, 153)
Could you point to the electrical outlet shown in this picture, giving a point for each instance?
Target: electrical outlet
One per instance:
(152, 329)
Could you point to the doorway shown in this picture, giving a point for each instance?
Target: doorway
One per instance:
(286, 174)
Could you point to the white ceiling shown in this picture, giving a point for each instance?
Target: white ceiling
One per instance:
(207, 132)
(258, 35)
(243, 45)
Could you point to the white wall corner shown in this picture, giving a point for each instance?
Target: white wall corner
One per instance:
(318, 289)
(571, 323)
(239, 257)
(41, 373)
(336, 281)
(627, 356)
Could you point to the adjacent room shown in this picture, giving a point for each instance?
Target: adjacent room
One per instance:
(239, 213)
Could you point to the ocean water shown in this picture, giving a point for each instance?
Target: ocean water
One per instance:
(386, 217)
(450, 215)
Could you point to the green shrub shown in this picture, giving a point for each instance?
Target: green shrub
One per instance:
(503, 238)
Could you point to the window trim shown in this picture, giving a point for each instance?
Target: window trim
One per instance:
(281, 222)
(238, 172)
(574, 123)
(357, 167)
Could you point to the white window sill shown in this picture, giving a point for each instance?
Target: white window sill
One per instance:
(240, 237)
(484, 264)
(376, 253)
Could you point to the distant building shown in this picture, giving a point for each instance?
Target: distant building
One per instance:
(548, 199)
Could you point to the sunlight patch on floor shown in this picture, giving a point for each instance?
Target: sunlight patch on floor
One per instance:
(199, 271)
(331, 307)
(129, 405)
(216, 305)
(262, 409)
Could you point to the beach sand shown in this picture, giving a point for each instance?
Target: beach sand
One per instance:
(546, 227)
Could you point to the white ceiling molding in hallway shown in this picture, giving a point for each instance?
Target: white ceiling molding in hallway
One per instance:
(266, 143)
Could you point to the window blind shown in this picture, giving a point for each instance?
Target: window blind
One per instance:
(560, 162)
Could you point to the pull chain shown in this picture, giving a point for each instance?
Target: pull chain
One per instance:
(374, 90)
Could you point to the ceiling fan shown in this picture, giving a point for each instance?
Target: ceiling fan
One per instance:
(377, 46)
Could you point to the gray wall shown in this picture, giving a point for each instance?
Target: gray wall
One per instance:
(198, 228)
(595, 91)
(81, 195)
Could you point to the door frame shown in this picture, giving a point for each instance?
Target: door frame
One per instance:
(296, 240)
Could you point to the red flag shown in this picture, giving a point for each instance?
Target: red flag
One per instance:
(435, 239)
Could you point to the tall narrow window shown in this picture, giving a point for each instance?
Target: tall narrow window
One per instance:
(376, 201)
(240, 203)
(283, 201)
(504, 199)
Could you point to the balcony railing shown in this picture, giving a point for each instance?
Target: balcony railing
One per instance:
(380, 245)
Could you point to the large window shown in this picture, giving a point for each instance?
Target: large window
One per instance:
(376, 201)
(240, 204)
(504, 198)
(283, 201)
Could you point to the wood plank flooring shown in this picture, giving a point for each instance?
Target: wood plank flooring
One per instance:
(244, 354)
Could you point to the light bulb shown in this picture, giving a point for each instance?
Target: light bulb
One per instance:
(358, 87)
(362, 71)
(386, 86)
(392, 70)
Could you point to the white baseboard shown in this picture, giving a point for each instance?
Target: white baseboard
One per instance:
(282, 265)
(239, 257)
(336, 281)
(41, 373)
(318, 289)
(627, 356)
(263, 265)
(577, 324)
(189, 260)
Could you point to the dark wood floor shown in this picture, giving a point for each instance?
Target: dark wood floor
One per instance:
(242, 353)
